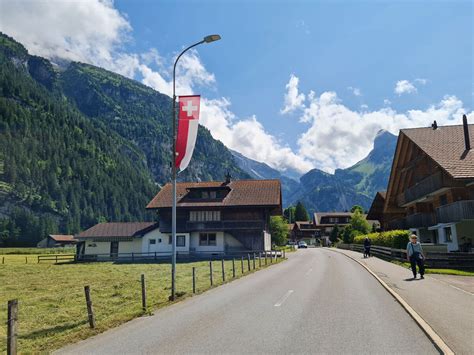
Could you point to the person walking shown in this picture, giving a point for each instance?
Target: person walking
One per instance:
(415, 256)
(367, 244)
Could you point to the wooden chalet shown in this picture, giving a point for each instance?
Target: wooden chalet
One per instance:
(431, 185)
(221, 216)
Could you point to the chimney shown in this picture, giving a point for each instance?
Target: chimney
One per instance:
(227, 178)
(466, 132)
(434, 125)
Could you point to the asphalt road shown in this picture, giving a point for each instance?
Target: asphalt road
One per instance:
(316, 302)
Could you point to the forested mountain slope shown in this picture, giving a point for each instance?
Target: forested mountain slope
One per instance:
(82, 145)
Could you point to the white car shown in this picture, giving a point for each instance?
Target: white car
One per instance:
(302, 244)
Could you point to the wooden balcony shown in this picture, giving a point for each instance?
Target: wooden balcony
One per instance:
(455, 212)
(424, 187)
(420, 220)
(399, 223)
(224, 225)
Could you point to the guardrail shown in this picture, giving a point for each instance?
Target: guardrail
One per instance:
(454, 260)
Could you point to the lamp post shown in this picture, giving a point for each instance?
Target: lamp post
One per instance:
(207, 39)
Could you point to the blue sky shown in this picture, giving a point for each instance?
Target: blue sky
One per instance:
(346, 58)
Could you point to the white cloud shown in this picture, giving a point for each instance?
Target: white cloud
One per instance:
(404, 87)
(88, 30)
(248, 136)
(387, 102)
(293, 99)
(339, 137)
(421, 81)
(355, 91)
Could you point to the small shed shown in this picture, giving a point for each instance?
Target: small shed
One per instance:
(57, 241)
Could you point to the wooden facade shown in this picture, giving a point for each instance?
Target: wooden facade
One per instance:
(431, 186)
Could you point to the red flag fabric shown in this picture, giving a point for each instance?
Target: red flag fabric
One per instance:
(188, 123)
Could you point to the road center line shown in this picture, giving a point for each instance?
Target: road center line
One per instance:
(284, 298)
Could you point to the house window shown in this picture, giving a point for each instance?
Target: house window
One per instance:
(205, 194)
(152, 241)
(180, 241)
(207, 239)
(204, 216)
(443, 200)
(448, 236)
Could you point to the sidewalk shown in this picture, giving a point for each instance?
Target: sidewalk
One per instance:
(445, 302)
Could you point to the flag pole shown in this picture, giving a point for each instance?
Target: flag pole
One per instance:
(207, 39)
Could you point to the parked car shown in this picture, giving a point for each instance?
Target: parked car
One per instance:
(302, 244)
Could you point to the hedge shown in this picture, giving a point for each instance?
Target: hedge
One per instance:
(397, 239)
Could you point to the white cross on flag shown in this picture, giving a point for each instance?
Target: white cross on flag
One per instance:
(187, 129)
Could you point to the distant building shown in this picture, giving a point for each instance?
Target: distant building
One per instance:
(431, 185)
(321, 226)
(57, 241)
(212, 217)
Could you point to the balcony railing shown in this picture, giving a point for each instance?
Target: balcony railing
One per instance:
(455, 212)
(422, 188)
(419, 220)
(224, 225)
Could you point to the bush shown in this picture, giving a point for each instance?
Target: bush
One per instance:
(396, 239)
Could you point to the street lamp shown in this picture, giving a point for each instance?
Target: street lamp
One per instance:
(207, 39)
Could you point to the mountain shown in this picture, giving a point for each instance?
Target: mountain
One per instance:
(258, 170)
(81, 144)
(320, 191)
(356, 185)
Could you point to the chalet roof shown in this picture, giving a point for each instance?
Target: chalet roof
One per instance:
(62, 238)
(319, 215)
(242, 193)
(446, 146)
(300, 224)
(118, 229)
(376, 208)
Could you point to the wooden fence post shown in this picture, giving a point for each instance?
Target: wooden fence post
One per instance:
(284, 254)
(90, 310)
(223, 271)
(253, 261)
(265, 257)
(210, 272)
(3, 260)
(248, 261)
(11, 327)
(259, 259)
(271, 256)
(233, 268)
(194, 279)
(242, 264)
(143, 293)
(26, 260)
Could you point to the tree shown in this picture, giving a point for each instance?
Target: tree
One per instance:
(359, 223)
(300, 212)
(334, 234)
(289, 214)
(357, 208)
(279, 230)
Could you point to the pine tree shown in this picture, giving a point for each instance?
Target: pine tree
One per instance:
(300, 212)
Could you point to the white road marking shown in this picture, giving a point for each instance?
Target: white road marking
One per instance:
(308, 272)
(284, 298)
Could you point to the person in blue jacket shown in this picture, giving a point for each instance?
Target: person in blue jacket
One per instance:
(415, 256)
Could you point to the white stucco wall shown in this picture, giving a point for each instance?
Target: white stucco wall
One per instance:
(92, 247)
(267, 241)
(219, 247)
(162, 244)
(231, 242)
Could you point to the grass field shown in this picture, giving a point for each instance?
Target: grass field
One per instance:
(36, 251)
(52, 309)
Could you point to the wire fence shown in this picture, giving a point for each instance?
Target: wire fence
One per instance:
(52, 307)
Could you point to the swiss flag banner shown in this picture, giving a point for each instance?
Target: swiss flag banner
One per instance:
(187, 129)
